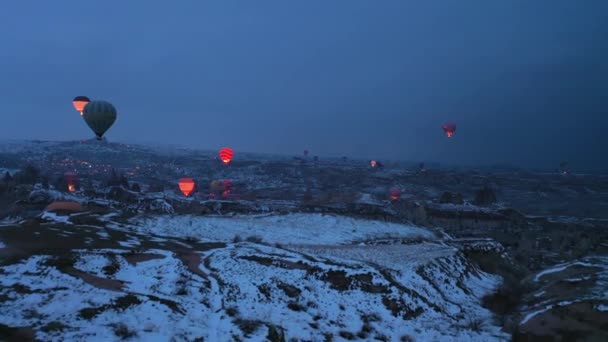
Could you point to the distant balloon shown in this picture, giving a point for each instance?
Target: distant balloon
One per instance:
(373, 163)
(223, 187)
(226, 155)
(227, 187)
(449, 129)
(564, 167)
(71, 180)
(395, 193)
(100, 116)
(80, 102)
(186, 186)
(305, 153)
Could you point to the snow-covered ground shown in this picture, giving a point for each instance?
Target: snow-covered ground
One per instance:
(562, 267)
(242, 291)
(315, 229)
(53, 217)
(588, 275)
(388, 256)
(320, 280)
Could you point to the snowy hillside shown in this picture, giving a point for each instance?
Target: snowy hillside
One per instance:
(142, 281)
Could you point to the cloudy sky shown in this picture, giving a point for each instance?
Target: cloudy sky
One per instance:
(526, 81)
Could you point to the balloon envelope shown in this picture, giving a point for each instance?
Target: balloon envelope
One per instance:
(395, 193)
(222, 187)
(71, 179)
(449, 129)
(372, 163)
(100, 116)
(80, 102)
(186, 186)
(226, 154)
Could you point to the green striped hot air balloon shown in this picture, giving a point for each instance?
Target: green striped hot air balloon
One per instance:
(100, 116)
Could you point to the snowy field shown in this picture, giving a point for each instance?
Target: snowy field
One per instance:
(314, 229)
(241, 292)
(321, 280)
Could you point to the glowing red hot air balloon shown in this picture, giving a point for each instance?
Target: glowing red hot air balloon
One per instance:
(227, 188)
(395, 193)
(226, 155)
(71, 179)
(80, 102)
(186, 186)
(449, 129)
(373, 163)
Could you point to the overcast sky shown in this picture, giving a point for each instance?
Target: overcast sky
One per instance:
(526, 81)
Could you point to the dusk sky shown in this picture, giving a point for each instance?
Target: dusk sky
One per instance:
(526, 81)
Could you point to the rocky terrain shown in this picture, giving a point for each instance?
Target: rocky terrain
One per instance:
(299, 250)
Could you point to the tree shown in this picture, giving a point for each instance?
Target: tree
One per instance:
(60, 184)
(28, 175)
(485, 196)
(135, 187)
(156, 186)
(446, 197)
(454, 198)
(114, 179)
(7, 177)
(124, 182)
(45, 182)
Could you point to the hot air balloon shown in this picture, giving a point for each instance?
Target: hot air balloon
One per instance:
(305, 153)
(226, 155)
(100, 116)
(220, 187)
(395, 193)
(564, 167)
(227, 187)
(186, 186)
(71, 180)
(373, 163)
(80, 102)
(449, 129)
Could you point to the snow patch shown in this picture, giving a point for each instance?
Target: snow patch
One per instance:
(601, 307)
(50, 216)
(561, 267)
(533, 314)
(315, 229)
